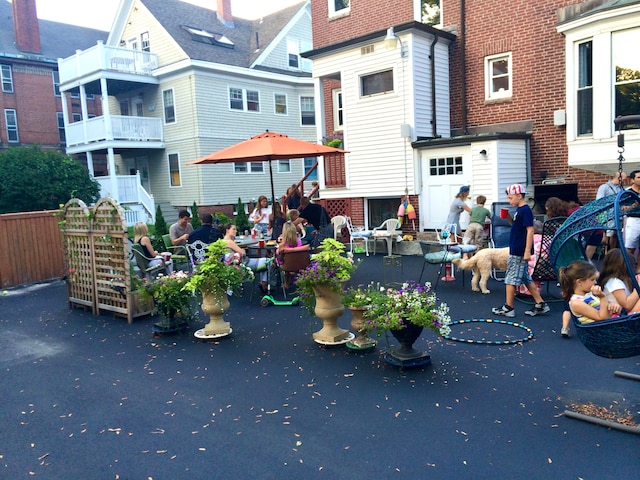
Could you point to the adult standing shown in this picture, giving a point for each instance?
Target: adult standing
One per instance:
(457, 207)
(260, 215)
(313, 213)
(180, 231)
(293, 197)
(632, 224)
(612, 187)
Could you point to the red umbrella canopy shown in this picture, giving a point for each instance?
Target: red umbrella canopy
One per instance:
(266, 146)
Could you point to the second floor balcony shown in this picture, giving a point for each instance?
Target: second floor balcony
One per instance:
(115, 131)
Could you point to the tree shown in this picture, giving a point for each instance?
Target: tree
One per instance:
(33, 179)
(195, 218)
(431, 12)
(242, 222)
(161, 229)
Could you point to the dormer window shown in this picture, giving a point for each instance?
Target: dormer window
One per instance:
(338, 7)
(203, 36)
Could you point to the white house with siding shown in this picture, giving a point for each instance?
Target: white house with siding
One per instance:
(180, 81)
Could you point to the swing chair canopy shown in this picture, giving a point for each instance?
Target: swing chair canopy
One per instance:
(617, 337)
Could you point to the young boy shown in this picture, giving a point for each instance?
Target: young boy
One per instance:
(477, 217)
(520, 247)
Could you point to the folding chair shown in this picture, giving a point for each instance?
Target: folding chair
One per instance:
(179, 254)
(143, 263)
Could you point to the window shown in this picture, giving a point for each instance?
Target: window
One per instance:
(61, 133)
(280, 102)
(77, 117)
(144, 41)
(7, 78)
(124, 107)
(11, 120)
(169, 109)
(338, 6)
(203, 36)
(307, 111)
(56, 83)
(380, 82)
(439, 167)
(380, 209)
(237, 99)
(284, 166)
(174, 170)
(498, 76)
(585, 89)
(75, 94)
(248, 167)
(293, 53)
(624, 46)
(338, 119)
(308, 165)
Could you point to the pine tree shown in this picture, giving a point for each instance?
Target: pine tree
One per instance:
(242, 222)
(161, 229)
(195, 218)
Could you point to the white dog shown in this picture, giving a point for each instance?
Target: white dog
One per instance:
(482, 263)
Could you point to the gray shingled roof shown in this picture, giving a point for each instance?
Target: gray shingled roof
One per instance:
(57, 40)
(173, 14)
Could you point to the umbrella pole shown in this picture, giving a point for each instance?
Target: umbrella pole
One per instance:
(273, 192)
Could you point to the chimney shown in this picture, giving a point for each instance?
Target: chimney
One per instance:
(224, 13)
(25, 26)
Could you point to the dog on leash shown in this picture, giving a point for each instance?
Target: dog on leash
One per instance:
(482, 263)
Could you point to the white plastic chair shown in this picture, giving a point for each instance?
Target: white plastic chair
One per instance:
(338, 222)
(358, 234)
(386, 231)
(197, 251)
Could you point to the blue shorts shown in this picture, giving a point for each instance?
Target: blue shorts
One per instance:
(517, 271)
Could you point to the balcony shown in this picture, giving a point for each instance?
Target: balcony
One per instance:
(102, 60)
(114, 131)
(128, 191)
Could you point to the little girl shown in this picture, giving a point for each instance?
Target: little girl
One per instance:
(289, 238)
(586, 299)
(617, 283)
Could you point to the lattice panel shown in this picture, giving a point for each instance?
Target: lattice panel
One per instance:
(339, 206)
(110, 258)
(76, 223)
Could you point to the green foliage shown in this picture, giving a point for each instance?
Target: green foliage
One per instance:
(242, 221)
(33, 179)
(169, 295)
(160, 228)
(362, 295)
(431, 12)
(221, 219)
(195, 218)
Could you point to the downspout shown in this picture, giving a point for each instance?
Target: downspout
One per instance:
(463, 65)
(434, 122)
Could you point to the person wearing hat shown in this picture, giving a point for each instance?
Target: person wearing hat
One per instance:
(520, 250)
(457, 207)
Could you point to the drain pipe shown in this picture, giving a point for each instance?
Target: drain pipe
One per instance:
(434, 122)
(463, 65)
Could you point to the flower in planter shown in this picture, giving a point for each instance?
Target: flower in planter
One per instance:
(413, 303)
(362, 295)
(331, 266)
(335, 140)
(220, 270)
(168, 294)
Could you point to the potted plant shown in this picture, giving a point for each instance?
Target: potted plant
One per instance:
(320, 288)
(358, 299)
(217, 276)
(334, 140)
(171, 300)
(405, 312)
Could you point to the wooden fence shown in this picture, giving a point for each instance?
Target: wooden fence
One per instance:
(31, 248)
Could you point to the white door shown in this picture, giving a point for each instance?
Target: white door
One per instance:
(444, 171)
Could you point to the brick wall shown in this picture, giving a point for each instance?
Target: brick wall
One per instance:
(538, 59)
(365, 16)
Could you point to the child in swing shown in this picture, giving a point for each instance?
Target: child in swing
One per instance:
(586, 300)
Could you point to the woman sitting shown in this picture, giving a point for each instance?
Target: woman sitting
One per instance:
(616, 282)
(141, 237)
(255, 264)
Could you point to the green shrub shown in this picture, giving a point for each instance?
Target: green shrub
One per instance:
(195, 218)
(242, 221)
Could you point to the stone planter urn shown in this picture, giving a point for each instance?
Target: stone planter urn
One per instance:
(407, 355)
(362, 341)
(215, 304)
(328, 308)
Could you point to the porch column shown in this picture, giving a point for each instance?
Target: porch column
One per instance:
(90, 163)
(105, 109)
(318, 94)
(113, 178)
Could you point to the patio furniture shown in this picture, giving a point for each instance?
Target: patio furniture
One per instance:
(338, 222)
(179, 254)
(143, 263)
(197, 252)
(389, 232)
(358, 234)
(292, 262)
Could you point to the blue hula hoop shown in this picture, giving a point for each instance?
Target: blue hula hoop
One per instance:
(529, 335)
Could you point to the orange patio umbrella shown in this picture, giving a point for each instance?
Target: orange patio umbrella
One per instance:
(267, 146)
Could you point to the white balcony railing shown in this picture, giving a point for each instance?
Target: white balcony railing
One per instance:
(130, 193)
(97, 129)
(102, 57)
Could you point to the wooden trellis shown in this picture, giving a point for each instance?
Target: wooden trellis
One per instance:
(98, 259)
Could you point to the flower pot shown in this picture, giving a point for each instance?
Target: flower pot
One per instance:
(406, 355)
(171, 322)
(357, 324)
(328, 308)
(215, 304)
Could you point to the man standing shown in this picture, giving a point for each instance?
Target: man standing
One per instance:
(180, 231)
(207, 232)
(313, 213)
(632, 224)
(612, 187)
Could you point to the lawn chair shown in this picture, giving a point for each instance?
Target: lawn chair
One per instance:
(197, 252)
(143, 263)
(358, 234)
(386, 231)
(179, 254)
(338, 222)
(292, 262)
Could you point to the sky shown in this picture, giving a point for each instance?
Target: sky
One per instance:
(100, 13)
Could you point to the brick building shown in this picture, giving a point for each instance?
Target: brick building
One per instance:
(529, 99)
(30, 99)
